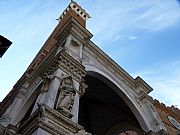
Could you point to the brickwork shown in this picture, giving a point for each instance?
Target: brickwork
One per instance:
(47, 99)
(164, 112)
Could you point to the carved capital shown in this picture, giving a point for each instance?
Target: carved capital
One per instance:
(82, 88)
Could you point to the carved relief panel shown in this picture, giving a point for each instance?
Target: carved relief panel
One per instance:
(74, 48)
(65, 96)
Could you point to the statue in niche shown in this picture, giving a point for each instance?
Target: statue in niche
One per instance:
(66, 97)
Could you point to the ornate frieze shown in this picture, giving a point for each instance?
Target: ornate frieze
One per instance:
(111, 65)
(74, 28)
(47, 66)
(141, 85)
(135, 84)
(51, 121)
(71, 66)
(61, 60)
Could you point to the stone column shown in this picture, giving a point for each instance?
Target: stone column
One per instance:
(52, 92)
(53, 88)
(41, 97)
(80, 92)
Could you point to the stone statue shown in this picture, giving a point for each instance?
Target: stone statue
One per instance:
(66, 96)
(41, 109)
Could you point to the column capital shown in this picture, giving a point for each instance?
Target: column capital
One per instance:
(82, 88)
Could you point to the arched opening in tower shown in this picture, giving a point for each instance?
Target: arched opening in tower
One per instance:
(103, 112)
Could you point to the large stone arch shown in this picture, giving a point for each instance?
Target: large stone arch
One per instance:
(69, 52)
(124, 93)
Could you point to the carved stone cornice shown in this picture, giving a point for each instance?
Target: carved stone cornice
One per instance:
(74, 28)
(47, 66)
(51, 121)
(55, 60)
(106, 61)
(10, 130)
(71, 66)
(142, 85)
(73, 127)
(52, 60)
(113, 67)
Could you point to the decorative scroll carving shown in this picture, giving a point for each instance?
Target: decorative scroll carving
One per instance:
(66, 97)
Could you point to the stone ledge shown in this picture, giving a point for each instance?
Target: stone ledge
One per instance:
(49, 120)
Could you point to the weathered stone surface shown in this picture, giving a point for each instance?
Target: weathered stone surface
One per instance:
(48, 97)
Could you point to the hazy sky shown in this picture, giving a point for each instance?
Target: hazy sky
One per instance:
(142, 36)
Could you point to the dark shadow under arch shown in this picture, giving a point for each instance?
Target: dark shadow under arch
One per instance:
(101, 107)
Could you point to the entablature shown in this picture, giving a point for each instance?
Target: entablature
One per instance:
(50, 120)
(74, 28)
(142, 85)
(112, 66)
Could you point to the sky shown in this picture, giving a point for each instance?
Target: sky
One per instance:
(142, 36)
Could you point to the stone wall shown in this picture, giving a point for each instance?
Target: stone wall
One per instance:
(165, 111)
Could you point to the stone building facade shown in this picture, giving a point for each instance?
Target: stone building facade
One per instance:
(73, 88)
(166, 114)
